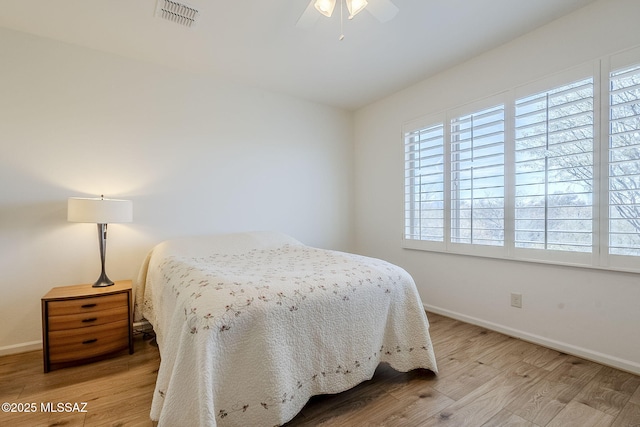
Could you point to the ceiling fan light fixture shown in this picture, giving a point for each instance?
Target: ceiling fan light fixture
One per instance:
(325, 7)
(355, 7)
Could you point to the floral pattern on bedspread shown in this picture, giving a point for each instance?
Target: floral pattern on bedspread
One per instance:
(233, 309)
(266, 282)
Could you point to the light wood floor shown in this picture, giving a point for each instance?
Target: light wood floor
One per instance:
(485, 379)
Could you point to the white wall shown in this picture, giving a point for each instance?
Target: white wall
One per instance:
(587, 312)
(195, 154)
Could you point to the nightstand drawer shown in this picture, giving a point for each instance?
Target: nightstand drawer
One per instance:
(69, 345)
(87, 305)
(88, 319)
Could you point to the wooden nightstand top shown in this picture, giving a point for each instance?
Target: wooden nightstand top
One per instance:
(85, 290)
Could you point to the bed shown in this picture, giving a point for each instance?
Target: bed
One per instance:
(251, 325)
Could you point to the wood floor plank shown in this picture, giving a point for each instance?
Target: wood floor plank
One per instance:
(579, 414)
(417, 407)
(515, 351)
(450, 344)
(628, 417)
(616, 380)
(468, 352)
(636, 397)
(473, 412)
(542, 401)
(467, 379)
(124, 411)
(575, 372)
(544, 357)
(606, 392)
(24, 419)
(506, 418)
(487, 400)
(67, 419)
(10, 390)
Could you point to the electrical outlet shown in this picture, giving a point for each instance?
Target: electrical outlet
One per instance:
(516, 300)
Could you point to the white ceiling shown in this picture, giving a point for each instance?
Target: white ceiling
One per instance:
(256, 42)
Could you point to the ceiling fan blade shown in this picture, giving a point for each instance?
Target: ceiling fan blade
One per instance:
(383, 10)
(309, 17)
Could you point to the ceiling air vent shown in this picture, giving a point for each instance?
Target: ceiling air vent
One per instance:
(179, 13)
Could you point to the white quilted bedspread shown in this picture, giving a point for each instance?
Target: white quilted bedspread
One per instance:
(247, 336)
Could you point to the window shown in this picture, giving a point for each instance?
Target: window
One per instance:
(554, 169)
(424, 184)
(477, 177)
(624, 162)
(455, 179)
(538, 173)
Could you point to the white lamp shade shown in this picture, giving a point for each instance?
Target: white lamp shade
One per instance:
(99, 211)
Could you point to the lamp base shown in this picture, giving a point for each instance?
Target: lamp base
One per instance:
(102, 284)
(103, 281)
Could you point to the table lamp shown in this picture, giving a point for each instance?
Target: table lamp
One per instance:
(100, 211)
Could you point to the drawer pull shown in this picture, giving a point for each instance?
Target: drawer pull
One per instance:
(91, 319)
(91, 341)
(88, 305)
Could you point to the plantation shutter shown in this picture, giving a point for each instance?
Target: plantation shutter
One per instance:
(554, 169)
(624, 162)
(477, 177)
(424, 184)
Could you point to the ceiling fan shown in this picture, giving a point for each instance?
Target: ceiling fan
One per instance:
(382, 10)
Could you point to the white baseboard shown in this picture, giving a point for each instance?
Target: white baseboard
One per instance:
(605, 359)
(20, 348)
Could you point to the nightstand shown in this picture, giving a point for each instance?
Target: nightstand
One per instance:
(82, 324)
